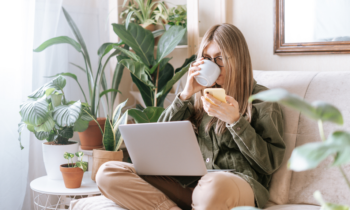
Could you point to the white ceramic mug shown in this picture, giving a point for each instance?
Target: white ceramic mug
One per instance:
(208, 73)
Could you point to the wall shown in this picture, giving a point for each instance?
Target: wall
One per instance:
(256, 21)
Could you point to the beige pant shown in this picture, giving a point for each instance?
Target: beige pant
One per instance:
(119, 182)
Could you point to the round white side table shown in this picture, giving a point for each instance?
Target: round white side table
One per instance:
(52, 194)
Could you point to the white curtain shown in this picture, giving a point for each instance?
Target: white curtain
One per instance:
(25, 25)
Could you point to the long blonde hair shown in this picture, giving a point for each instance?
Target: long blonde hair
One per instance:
(239, 74)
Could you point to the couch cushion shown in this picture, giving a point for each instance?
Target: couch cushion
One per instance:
(294, 207)
(332, 87)
(297, 83)
(94, 203)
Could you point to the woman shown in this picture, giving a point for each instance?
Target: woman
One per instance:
(237, 135)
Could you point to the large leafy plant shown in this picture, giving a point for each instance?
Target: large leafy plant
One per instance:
(172, 16)
(310, 155)
(140, 12)
(94, 81)
(49, 115)
(153, 75)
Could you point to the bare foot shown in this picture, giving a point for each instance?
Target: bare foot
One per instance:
(175, 208)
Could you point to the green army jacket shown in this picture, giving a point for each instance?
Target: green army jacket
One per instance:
(255, 150)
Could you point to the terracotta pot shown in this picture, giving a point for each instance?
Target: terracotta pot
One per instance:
(72, 177)
(150, 27)
(100, 156)
(91, 138)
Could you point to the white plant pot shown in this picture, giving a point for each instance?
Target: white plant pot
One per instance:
(53, 158)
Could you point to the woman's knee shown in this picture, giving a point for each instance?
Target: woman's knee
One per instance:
(218, 181)
(112, 172)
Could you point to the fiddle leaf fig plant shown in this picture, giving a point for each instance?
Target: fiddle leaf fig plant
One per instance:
(310, 155)
(153, 75)
(49, 115)
(94, 81)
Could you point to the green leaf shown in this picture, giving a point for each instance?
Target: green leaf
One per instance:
(81, 164)
(66, 132)
(73, 76)
(21, 126)
(35, 112)
(56, 100)
(129, 54)
(52, 136)
(58, 83)
(285, 98)
(310, 155)
(58, 40)
(326, 205)
(42, 135)
(117, 112)
(117, 77)
(170, 83)
(146, 91)
(81, 125)
(108, 136)
(158, 33)
(67, 115)
(187, 61)
(77, 35)
(169, 41)
(66, 155)
(139, 39)
(79, 154)
(117, 135)
(328, 112)
(49, 91)
(85, 116)
(138, 70)
(148, 115)
(127, 20)
(163, 63)
(104, 49)
(47, 126)
(164, 77)
(79, 67)
(107, 91)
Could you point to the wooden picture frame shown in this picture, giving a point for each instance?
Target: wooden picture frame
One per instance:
(282, 48)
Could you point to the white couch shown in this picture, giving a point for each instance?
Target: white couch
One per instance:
(293, 190)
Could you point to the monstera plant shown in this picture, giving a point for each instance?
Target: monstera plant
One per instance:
(310, 155)
(153, 75)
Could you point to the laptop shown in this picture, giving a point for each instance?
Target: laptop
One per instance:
(164, 149)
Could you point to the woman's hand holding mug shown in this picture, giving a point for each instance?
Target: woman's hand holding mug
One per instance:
(192, 86)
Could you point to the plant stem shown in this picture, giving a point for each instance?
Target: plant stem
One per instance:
(83, 92)
(345, 177)
(320, 128)
(155, 92)
(64, 97)
(94, 120)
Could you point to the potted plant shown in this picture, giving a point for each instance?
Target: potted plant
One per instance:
(112, 140)
(154, 76)
(73, 172)
(50, 116)
(141, 13)
(92, 137)
(310, 155)
(173, 16)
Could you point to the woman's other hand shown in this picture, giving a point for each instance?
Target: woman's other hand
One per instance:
(227, 112)
(192, 86)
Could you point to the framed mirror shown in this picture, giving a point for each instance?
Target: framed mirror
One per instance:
(312, 27)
